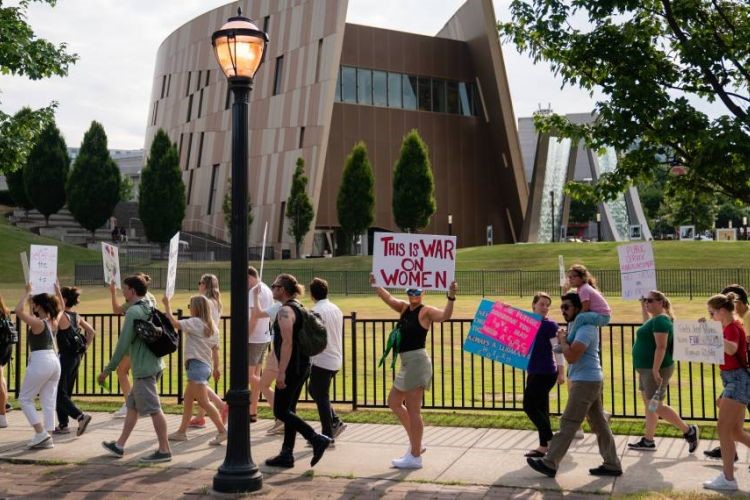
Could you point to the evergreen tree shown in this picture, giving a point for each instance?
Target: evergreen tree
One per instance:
(355, 203)
(46, 171)
(299, 210)
(226, 207)
(161, 204)
(18, 190)
(126, 189)
(93, 188)
(413, 185)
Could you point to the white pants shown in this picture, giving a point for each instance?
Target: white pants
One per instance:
(42, 376)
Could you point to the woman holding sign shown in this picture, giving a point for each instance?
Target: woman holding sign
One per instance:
(415, 374)
(736, 395)
(652, 359)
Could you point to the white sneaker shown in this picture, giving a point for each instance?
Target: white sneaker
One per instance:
(277, 428)
(579, 434)
(122, 412)
(407, 462)
(607, 417)
(408, 450)
(218, 439)
(721, 483)
(39, 438)
(45, 445)
(3, 421)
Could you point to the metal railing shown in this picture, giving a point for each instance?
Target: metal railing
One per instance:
(462, 381)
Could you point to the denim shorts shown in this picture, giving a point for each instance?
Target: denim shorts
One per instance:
(198, 371)
(736, 385)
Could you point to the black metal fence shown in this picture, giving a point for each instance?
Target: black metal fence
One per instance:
(674, 282)
(462, 381)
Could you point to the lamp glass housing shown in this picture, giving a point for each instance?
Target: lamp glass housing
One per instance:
(239, 47)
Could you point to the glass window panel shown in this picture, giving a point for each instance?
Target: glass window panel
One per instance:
(348, 84)
(410, 91)
(424, 94)
(451, 97)
(474, 95)
(464, 99)
(438, 95)
(338, 85)
(364, 86)
(379, 88)
(394, 90)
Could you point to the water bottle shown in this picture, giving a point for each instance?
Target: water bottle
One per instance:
(653, 403)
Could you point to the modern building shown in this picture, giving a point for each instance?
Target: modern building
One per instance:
(327, 84)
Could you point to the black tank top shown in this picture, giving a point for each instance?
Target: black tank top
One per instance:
(413, 334)
(41, 342)
(298, 363)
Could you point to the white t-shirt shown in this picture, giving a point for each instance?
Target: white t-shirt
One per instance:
(332, 357)
(197, 345)
(261, 334)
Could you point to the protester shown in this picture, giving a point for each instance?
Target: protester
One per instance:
(736, 394)
(543, 372)
(596, 309)
(294, 368)
(124, 366)
(6, 354)
(326, 364)
(201, 360)
(268, 376)
(143, 399)
(581, 350)
(415, 374)
(43, 368)
(652, 359)
(71, 345)
(259, 338)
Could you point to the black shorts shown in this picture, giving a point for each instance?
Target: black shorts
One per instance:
(6, 353)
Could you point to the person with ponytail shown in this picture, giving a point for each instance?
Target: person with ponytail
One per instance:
(596, 310)
(652, 359)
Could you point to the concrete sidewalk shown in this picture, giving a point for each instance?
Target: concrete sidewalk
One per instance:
(484, 462)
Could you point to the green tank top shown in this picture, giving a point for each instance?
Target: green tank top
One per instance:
(43, 341)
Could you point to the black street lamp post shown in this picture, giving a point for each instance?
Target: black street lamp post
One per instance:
(450, 225)
(598, 226)
(239, 47)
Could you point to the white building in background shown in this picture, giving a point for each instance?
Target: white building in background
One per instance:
(129, 161)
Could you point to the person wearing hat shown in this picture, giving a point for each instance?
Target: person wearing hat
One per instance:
(415, 374)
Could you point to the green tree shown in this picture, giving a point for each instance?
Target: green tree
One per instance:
(413, 185)
(23, 54)
(355, 203)
(299, 209)
(581, 212)
(728, 210)
(93, 187)
(17, 190)
(652, 61)
(126, 189)
(161, 205)
(226, 207)
(46, 172)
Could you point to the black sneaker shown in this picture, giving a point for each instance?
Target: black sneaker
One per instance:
(716, 454)
(156, 457)
(603, 471)
(319, 445)
(692, 436)
(8, 406)
(539, 466)
(642, 445)
(111, 446)
(282, 460)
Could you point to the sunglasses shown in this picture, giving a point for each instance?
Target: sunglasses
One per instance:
(275, 286)
(414, 293)
(565, 307)
(650, 300)
(711, 313)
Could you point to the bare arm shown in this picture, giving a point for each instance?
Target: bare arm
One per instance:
(286, 326)
(438, 315)
(168, 313)
(730, 347)
(661, 350)
(585, 305)
(574, 351)
(257, 311)
(36, 324)
(90, 332)
(116, 308)
(215, 361)
(392, 302)
(256, 303)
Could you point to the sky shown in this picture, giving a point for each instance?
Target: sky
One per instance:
(117, 40)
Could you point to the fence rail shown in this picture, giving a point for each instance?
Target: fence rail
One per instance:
(462, 381)
(674, 282)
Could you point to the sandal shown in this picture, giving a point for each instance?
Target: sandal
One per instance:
(534, 454)
(253, 418)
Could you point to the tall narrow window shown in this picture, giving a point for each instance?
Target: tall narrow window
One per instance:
(198, 81)
(212, 190)
(338, 85)
(278, 75)
(410, 91)
(379, 88)
(190, 107)
(281, 221)
(169, 83)
(179, 152)
(301, 137)
(163, 85)
(451, 98)
(348, 84)
(208, 75)
(464, 99)
(156, 113)
(187, 87)
(189, 149)
(317, 62)
(438, 95)
(266, 23)
(394, 90)
(190, 186)
(364, 86)
(424, 96)
(200, 151)
(200, 104)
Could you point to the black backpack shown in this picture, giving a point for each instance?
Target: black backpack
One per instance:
(71, 341)
(313, 336)
(8, 332)
(157, 333)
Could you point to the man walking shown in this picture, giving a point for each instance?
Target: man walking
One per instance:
(259, 337)
(143, 399)
(326, 364)
(581, 350)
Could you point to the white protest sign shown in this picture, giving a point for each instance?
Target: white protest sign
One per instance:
(426, 261)
(698, 341)
(561, 266)
(263, 251)
(111, 264)
(174, 247)
(637, 270)
(43, 268)
(25, 267)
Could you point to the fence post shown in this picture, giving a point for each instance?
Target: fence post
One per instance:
(354, 361)
(346, 283)
(179, 361)
(690, 283)
(483, 282)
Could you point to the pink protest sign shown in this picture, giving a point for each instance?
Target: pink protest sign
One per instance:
(511, 327)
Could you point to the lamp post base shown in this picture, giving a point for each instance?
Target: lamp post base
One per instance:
(242, 479)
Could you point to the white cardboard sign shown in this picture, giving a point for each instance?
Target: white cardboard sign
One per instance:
(111, 264)
(561, 266)
(174, 248)
(43, 268)
(637, 270)
(698, 341)
(426, 261)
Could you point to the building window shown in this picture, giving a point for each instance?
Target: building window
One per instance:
(208, 76)
(364, 86)
(200, 104)
(169, 83)
(190, 186)
(379, 88)
(451, 97)
(198, 81)
(190, 107)
(155, 113)
(317, 62)
(281, 222)
(410, 91)
(212, 190)
(438, 95)
(464, 99)
(179, 152)
(338, 85)
(189, 150)
(266, 23)
(163, 85)
(348, 84)
(278, 75)
(394, 90)
(424, 94)
(301, 137)
(187, 87)
(200, 151)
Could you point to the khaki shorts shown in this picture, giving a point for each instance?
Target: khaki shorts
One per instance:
(144, 397)
(256, 353)
(416, 371)
(272, 364)
(647, 384)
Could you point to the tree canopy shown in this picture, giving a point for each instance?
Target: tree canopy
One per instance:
(46, 172)
(299, 209)
(654, 61)
(355, 203)
(413, 185)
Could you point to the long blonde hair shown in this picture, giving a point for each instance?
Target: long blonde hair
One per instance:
(4, 311)
(201, 308)
(664, 300)
(211, 282)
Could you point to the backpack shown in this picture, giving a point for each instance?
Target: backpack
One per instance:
(313, 336)
(157, 333)
(72, 341)
(8, 332)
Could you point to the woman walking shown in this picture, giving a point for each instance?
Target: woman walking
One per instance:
(652, 359)
(543, 372)
(72, 345)
(736, 395)
(6, 353)
(415, 374)
(43, 369)
(201, 355)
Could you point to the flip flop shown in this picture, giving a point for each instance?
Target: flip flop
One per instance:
(534, 454)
